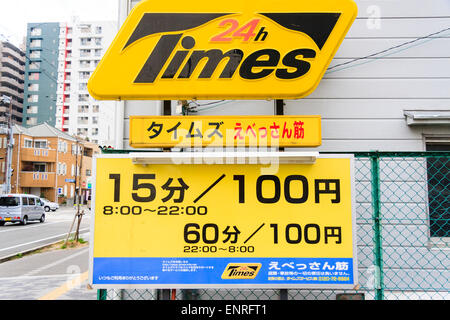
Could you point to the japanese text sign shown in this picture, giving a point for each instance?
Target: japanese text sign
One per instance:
(184, 225)
(241, 49)
(225, 131)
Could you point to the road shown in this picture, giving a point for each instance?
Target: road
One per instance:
(16, 239)
(50, 275)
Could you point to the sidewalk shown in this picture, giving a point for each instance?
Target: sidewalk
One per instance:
(54, 275)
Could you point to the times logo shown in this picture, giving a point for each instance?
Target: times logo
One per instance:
(241, 271)
(180, 51)
(186, 60)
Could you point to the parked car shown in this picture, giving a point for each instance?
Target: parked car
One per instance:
(48, 205)
(21, 208)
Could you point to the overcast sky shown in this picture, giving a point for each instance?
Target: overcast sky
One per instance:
(15, 14)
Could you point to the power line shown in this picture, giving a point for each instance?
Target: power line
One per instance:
(389, 49)
(208, 104)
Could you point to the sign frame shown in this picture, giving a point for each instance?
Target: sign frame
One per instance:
(196, 157)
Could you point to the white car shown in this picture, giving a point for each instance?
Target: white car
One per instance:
(48, 205)
(20, 208)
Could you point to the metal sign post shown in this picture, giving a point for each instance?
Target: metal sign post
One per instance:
(10, 145)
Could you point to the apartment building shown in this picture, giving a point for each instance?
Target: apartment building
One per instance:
(60, 59)
(40, 74)
(46, 162)
(81, 47)
(12, 68)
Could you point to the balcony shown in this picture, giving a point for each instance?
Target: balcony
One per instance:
(37, 179)
(12, 82)
(13, 53)
(38, 155)
(10, 92)
(18, 104)
(15, 67)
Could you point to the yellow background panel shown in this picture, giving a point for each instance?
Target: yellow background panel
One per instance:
(153, 235)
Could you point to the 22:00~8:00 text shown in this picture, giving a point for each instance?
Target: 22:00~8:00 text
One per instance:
(161, 210)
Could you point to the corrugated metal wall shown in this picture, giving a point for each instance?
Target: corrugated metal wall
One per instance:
(396, 57)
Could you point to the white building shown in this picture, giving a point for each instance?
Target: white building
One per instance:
(81, 47)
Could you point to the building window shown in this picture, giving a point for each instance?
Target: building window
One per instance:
(40, 144)
(31, 121)
(83, 86)
(85, 53)
(39, 167)
(83, 109)
(98, 30)
(85, 64)
(74, 149)
(33, 87)
(83, 97)
(27, 143)
(85, 28)
(85, 41)
(35, 65)
(36, 31)
(35, 43)
(84, 75)
(34, 76)
(33, 98)
(438, 170)
(35, 54)
(83, 120)
(32, 109)
(62, 146)
(82, 131)
(61, 169)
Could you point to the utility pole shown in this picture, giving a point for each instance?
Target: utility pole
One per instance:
(75, 201)
(10, 145)
(77, 215)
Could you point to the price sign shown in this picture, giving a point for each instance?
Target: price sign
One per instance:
(197, 225)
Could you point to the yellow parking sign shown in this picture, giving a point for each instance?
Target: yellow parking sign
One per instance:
(190, 225)
(210, 50)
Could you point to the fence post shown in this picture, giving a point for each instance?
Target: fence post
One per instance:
(376, 217)
(102, 294)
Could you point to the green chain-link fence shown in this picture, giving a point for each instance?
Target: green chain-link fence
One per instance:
(403, 228)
